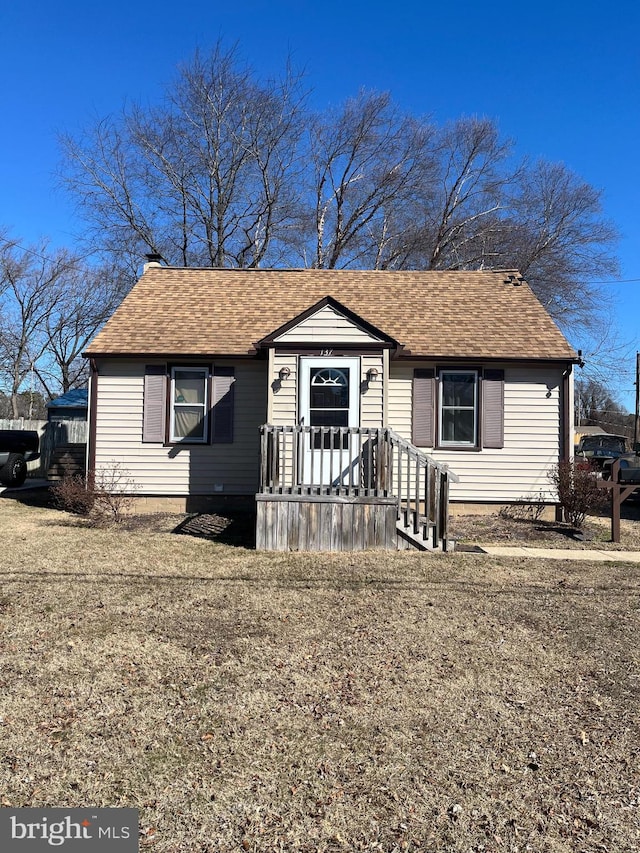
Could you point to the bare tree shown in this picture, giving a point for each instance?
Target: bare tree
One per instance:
(558, 238)
(390, 192)
(368, 161)
(86, 298)
(596, 405)
(233, 171)
(460, 215)
(52, 303)
(30, 281)
(203, 179)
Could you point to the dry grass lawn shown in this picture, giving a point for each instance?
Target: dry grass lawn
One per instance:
(306, 702)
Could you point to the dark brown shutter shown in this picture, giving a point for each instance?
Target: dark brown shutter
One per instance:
(222, 405)
(493, 408)
(154, 410)
(424, 395)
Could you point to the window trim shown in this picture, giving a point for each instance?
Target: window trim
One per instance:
(205, 372)
(440, 408)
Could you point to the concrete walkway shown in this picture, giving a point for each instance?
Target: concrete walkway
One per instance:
(558, 553)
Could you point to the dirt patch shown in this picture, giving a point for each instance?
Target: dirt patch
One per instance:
(501, 528)
(152, 522)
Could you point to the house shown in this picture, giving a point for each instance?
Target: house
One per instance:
(71, 406)
(354, 406)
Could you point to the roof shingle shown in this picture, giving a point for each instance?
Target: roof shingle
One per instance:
(182, 312)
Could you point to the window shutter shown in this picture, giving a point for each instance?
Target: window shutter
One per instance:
(493, 409)
(424, 388)
(222, 405)
(154, 410)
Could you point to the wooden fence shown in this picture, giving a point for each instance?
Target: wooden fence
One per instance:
(52, 434)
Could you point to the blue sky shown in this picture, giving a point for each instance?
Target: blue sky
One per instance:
(561, 78)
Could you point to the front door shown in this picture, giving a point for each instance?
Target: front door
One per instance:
(330, 397)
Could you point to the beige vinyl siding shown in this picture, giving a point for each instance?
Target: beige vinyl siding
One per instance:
(285, 401)
(284, 391)
(371, 399)
(327, 325)
(532, 437)
(400, 398)
(179, 470)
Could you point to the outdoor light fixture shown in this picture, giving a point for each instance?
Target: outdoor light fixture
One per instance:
(284, 373)
(372, 374)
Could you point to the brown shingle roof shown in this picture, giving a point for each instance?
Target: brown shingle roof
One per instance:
(177, 311)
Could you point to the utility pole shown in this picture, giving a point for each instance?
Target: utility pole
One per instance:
(636, 430)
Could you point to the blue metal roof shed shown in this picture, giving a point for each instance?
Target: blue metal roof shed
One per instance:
(71, 406)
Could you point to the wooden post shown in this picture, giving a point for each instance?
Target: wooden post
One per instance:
(615, 513)
(444, 509)
(263, 459)
(619, 494)
(636, 429)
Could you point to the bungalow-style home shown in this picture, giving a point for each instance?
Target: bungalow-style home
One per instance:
(354, 406)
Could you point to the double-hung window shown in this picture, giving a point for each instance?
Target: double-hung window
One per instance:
(458, 408)
(189, 404)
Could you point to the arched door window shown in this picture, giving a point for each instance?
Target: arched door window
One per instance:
(329, 402)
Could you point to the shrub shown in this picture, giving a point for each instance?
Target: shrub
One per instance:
(72, 495)
(528, 508)
(578, 493)
(103, 498)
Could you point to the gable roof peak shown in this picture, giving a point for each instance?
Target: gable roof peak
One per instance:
(337, 306)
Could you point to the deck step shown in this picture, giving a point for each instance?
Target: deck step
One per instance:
(413, 540)
(67, 460)
(423, 539)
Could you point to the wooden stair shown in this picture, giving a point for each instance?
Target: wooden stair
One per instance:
(67, 460)
(420, 534)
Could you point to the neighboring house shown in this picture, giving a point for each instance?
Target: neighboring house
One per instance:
(71, 406)
(375, 386)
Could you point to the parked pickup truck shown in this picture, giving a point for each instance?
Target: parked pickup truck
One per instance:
(17, 447)
(601, 449)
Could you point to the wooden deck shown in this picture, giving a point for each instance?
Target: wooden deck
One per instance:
(325, 523)
(345, 488)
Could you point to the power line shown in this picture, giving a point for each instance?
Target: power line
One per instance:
(612, 281)
(11, 244)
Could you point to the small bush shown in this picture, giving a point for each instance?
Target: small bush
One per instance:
(578, 493)
(527, 508)
(72, 495)
(102, 498)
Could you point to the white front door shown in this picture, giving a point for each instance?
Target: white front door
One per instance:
(330, 397)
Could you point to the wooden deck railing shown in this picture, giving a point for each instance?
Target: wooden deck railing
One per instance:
(421, 487)
(359, 463)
